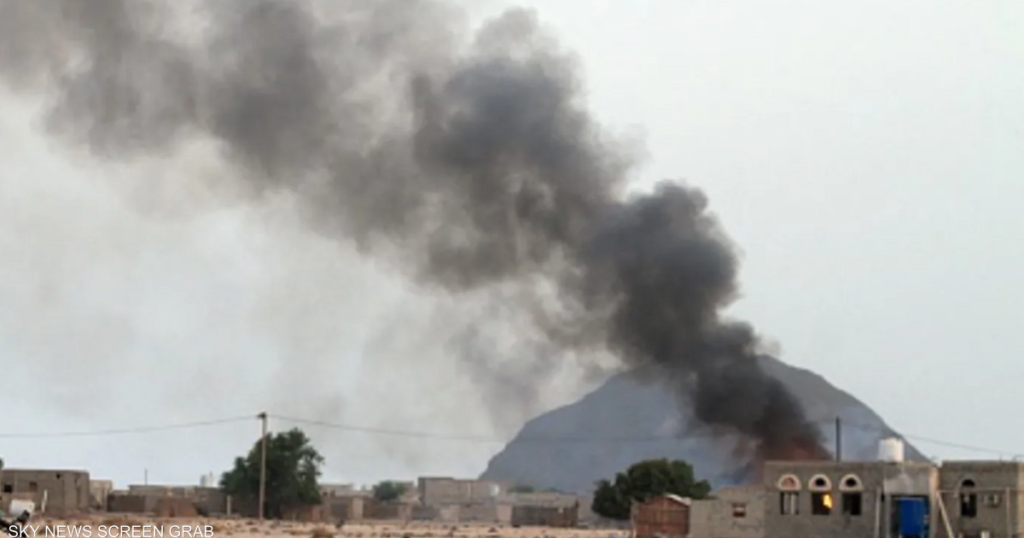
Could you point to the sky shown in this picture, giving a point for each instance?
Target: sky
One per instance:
(866, 159)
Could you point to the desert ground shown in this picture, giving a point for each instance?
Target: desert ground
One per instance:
(103, 526)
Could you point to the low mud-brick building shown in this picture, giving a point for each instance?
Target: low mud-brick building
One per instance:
(665, 516)
(65, 492)
(558, 516)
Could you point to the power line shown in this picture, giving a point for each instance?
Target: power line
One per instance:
(124, 431)
(481, 438)
(622, 439)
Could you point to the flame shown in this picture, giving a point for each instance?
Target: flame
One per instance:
(827, 501)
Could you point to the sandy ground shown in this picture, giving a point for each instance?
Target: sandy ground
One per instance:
(108, 526)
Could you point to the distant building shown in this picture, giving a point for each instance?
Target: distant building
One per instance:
(666, 516)
(439, 491)
(100, 491)
(545, 516)
(208, 480)
(736, 512)
(65, 492)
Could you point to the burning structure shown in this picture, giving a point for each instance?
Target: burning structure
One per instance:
(465, 158)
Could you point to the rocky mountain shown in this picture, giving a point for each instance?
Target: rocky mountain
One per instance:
(626, 420)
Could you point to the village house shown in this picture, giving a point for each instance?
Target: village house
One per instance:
(893, 498)
(665, 516)
(734, 512)
(55, 492)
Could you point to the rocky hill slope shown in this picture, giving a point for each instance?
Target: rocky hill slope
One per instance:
(632, 420)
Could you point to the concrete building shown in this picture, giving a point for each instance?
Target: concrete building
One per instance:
(734, 512)
(66, 492)
(978, 498)
(545, 516)
(100, 491)
(849, 499)
(439, 491)
(666, 516)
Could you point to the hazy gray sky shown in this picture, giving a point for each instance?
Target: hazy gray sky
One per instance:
(866, 158)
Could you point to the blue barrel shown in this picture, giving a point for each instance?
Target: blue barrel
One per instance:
(913, 514)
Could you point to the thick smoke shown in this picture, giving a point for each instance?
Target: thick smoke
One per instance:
(469, 162)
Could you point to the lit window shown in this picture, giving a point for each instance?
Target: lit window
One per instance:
(821, 504)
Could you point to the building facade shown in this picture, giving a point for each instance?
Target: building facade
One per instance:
(732, 512)
(545, 516)
(439, 491)
(666, 516)
(979, 498)
(957, 499)
(849, 499)
(100, 491)
(56, 493)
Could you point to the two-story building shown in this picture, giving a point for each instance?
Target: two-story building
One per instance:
(894, 499)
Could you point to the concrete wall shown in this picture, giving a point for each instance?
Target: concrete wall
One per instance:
(996, 496)
(67, 492)
(99, 490)
(735, 512)
(376, 510)
(545, 516)
(210, 501)
(162, 491)
(437, 491)
(131, 504)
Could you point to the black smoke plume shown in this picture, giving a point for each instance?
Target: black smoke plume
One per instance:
(471, 163)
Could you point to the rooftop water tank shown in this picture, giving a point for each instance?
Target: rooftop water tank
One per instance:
(891, 450)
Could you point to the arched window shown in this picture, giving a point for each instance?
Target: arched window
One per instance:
(852, 487)
(820, 483)
(789, 495)
(968, 499)
(789, 483)
(851, 482)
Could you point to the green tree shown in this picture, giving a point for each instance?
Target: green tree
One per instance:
(293, 467)
(522, 488)
(389, 490)
(643, 480)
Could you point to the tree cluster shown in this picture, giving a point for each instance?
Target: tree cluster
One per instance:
(389, 490)
(293, 468)
(614, 499)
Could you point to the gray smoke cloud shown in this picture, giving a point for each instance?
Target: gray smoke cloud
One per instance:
(465, 158)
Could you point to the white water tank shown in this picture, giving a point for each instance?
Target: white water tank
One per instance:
(890, 449)
(208, 481)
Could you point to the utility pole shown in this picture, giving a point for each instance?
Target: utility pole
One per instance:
(263, 462)
(839, 440)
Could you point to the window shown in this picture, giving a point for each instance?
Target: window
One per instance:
(852, 504)
(968, 499)
(739, 510)
(789, 503)
(8, 488)
(821, 503)
(992, 500)
(850, 482)
(789, 483)
(820, 483)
